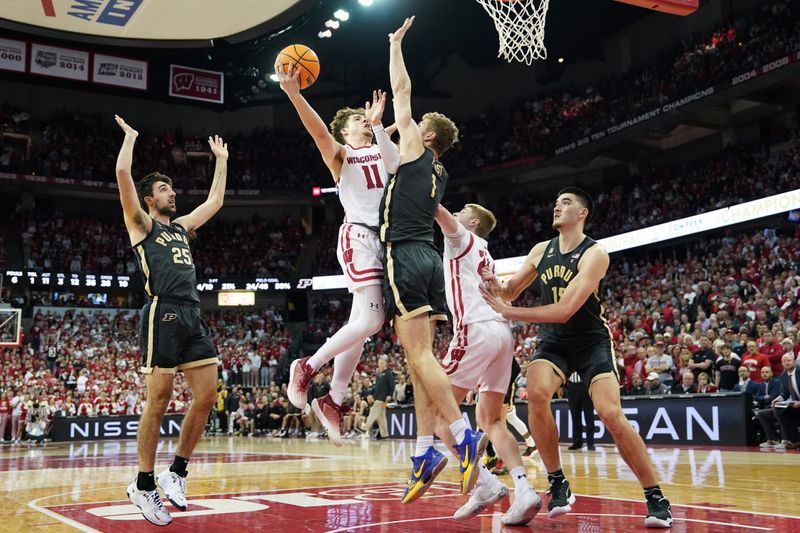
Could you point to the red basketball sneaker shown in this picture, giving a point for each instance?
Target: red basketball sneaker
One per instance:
(300, 376)
(331, 416)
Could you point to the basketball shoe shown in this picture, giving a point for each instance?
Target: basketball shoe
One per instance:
(300, 376)
(149, 502)
(470, 451)
(529, 451)
(174, 487)
(561, 498)
(482, 497)
(424, 469)
(525, 507)
(659, 513)
(331, 416)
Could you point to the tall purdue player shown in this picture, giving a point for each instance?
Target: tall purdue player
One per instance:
(414, 286)
(480, 357)
(574, 337)
(172, 337)
(359, 171)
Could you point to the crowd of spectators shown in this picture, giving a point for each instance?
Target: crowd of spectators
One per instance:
(722, 317)
(84, 146)
(537, 125)
(55, 242)
(87, 364)
(654, 196)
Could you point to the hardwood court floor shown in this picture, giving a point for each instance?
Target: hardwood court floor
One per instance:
(308, 485)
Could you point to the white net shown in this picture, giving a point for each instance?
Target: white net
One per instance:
(520, 26)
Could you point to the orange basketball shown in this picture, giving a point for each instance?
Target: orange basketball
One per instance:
(304, 58)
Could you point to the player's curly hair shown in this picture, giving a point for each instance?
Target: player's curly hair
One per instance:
(144, 187)
(445, 129)
(340, 119)
(486, 219)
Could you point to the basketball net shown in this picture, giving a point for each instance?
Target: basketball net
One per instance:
(520, 26)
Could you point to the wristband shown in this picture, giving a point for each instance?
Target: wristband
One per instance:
(376, 128)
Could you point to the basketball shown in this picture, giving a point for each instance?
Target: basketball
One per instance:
(304, 58)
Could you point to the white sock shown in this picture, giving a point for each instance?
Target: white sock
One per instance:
(423, 443)
(343, 367)
(516, 423)
(459, 429)
(364, 321)
(520, 478)
(485, 478)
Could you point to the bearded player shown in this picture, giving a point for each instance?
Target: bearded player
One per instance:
(173, 336)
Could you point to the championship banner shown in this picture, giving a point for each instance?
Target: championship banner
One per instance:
(196, 84)
(13, 55)
(59, 62)
(695, 419)
(120, 72)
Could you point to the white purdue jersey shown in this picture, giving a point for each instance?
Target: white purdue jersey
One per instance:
(465, 256)
(361, 184)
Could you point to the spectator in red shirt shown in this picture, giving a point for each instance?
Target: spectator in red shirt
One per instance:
(754, 361)
(773, 350)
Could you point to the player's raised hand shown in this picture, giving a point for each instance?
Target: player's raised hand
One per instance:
(125, 127)
(374, 111)
(218, 147)
(489, 278)
(288, 77)
(494, 301)
(397, 36)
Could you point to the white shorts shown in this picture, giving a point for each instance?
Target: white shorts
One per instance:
(360, 255)
(480, 356)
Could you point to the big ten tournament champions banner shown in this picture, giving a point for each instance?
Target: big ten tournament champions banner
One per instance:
(196, 84)
(120, 72)
(719, 218)
(718, 419)
(677, 104)
(109, 427)
(13, 55)
(146, 19)
(58, 62)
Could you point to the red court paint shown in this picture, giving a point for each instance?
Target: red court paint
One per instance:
(377, 508)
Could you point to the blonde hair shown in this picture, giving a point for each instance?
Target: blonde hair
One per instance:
(445, 129)
(486, 219)
(340, 119)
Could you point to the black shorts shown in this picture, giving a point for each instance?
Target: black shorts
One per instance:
(512, 384)
(592, 359)
(172, 337)
(414, 281)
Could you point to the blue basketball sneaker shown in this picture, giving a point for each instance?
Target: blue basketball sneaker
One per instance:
(424, 470)
(470, 451)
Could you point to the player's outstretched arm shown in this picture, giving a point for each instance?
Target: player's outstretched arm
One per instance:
(592, 269)
(411, 146)
(510, 289)
(446, 221)
(136, 220)
(332, 152)
(216, 194)
(390, 153)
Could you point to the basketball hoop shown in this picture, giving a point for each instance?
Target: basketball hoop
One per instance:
(520, 26)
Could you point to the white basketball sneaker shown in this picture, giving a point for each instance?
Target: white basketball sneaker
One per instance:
(149, 502)
(482, 497)
(174, 487)
(526, 504)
